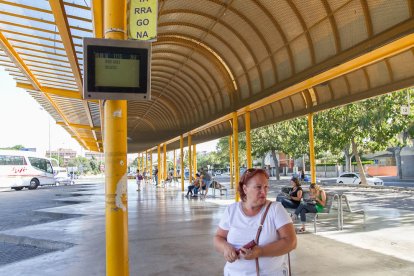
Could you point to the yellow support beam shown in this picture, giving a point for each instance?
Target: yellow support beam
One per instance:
(58, 9)
(18, 61)
(115, 130)
(248, 142)
(231, 161)
(87, 139)
(150, 171)
(165, 171)
(236, 154)
(182, 161)
(146, 161)
(194, 160)
(157, 179)
(311, 149)
(77, 126)
(190, 165)
(59, 13)
(50, 90)
(174, 164)
(97, 17)
(116, 200)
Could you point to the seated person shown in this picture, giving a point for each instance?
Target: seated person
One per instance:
(169, 178)
(207, 179)
(194, 185)
(316, 205)
(216, 185)
(295, 195)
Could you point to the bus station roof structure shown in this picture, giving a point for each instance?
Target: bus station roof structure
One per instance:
(275, 59)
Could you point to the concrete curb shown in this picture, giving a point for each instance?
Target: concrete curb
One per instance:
(40, 243)
(409, 189)
(335, 185)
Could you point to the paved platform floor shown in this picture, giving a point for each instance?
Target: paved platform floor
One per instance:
(172, 235)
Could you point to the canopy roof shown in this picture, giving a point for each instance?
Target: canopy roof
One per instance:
(277, 59)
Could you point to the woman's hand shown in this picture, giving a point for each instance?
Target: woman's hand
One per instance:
(230, 253)
(250, 254)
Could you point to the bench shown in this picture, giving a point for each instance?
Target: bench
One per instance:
(346, 207)
(217, 186)
(327, 211)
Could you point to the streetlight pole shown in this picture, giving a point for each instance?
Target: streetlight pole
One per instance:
(50, 152)
(48, 119)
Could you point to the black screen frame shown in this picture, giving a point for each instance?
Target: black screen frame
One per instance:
(143, 65)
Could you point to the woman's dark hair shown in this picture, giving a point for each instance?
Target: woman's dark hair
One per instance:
(247, 175)
(296, 180)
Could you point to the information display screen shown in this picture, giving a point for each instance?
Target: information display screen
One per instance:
(116, 69)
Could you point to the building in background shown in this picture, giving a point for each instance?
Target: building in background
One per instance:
(97, 155)
(64, 154)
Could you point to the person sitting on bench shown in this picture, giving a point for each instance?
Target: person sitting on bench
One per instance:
(292, 200)
(169, 178)
(314, 204)
(195, 184)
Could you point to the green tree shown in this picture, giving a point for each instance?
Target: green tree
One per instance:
(398, 142)
(222, 155)
(81, 163)
(269, 139)
(94, 165)
(15, 147)
(370, 125)
(59, 159)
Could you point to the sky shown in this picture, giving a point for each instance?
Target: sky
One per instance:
(24, 122)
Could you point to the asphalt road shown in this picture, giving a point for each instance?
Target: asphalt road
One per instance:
(23, 208)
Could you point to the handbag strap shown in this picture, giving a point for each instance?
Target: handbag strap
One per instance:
(258, 234)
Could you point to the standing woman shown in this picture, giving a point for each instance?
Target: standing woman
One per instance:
(239, 225)
(295, 195)
(139, 180)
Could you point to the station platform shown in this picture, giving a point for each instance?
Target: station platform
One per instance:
(172, 235)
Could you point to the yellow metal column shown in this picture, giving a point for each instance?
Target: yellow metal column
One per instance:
(158, 165)
(248, 142)
(231, 161)
(190, 166)
(236, 154)
(146, 161)
(194, 159)
(137, 161)
(115, 133)
(150, 171)
(174, 165)
(165, 174)
(311, 149)
(182, 161)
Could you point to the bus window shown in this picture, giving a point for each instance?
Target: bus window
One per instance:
(39, 163)
(12, 160)
(49, 168)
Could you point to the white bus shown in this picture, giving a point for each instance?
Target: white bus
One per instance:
(24, 169)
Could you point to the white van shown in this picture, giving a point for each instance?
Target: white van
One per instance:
(20, 169)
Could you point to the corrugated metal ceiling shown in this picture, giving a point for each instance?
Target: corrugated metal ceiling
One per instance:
(277, 59)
